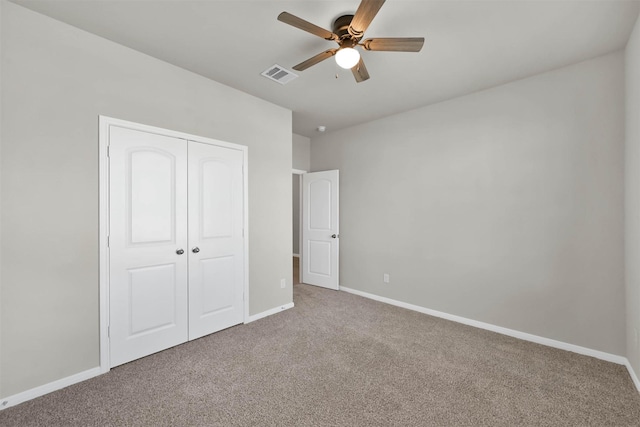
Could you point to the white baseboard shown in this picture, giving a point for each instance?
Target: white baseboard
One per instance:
(296, 255)
(48, 388)
(269, 312)
(620, 360)
(634, 377)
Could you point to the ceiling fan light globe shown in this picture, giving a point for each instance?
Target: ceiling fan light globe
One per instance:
(347, 57)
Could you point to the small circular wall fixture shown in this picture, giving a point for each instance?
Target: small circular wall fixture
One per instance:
(321, 128)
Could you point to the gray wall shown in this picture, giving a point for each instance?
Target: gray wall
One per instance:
(632, 197)
(301, 156)
(56, 80)
(302, 161)
(504, 206)
(295, 181)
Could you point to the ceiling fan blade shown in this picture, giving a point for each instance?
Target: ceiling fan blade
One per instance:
(314, 60)
(363, 17)
(293, 20)
(360, 71)
(408, 44)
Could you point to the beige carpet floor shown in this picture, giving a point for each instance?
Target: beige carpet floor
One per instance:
(337, 359)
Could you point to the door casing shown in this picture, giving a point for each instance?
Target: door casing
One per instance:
(103, 167)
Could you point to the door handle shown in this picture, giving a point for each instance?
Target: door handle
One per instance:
(195, 250)
(180, 251)
(333, 236)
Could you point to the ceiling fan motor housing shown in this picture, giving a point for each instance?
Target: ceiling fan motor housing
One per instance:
(341, 27)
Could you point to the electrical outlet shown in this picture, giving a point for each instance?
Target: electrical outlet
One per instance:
(283, 283)
(385, 277)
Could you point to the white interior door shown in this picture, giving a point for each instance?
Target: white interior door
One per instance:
(148, 230)
(216, 244)
(320, 229)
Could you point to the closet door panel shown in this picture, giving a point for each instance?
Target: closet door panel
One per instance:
(216, 260)
(148, 225)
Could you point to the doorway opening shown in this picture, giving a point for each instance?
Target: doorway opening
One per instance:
(296, 182)
(318, 239)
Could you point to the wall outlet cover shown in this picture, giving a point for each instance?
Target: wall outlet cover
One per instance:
(283, 283)
(385, 278)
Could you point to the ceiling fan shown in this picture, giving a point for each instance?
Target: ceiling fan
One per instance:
(348, 31)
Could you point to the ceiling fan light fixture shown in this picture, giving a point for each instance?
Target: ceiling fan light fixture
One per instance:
(347, 57)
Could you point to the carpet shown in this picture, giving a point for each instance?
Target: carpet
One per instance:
(337, 359)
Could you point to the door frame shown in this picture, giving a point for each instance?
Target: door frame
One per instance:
(104, 124)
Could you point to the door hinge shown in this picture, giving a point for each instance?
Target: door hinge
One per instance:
(108, 151)
(109, 331)
(108, 241)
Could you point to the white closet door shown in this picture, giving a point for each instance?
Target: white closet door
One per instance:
(216, 257)
(148, 228)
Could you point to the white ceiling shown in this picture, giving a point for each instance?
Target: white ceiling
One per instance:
(470, 46)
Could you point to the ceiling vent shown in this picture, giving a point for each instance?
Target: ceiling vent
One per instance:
(279, 74)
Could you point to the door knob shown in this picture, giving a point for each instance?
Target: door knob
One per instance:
(333, 236)
(180, 251)
(195, 250)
